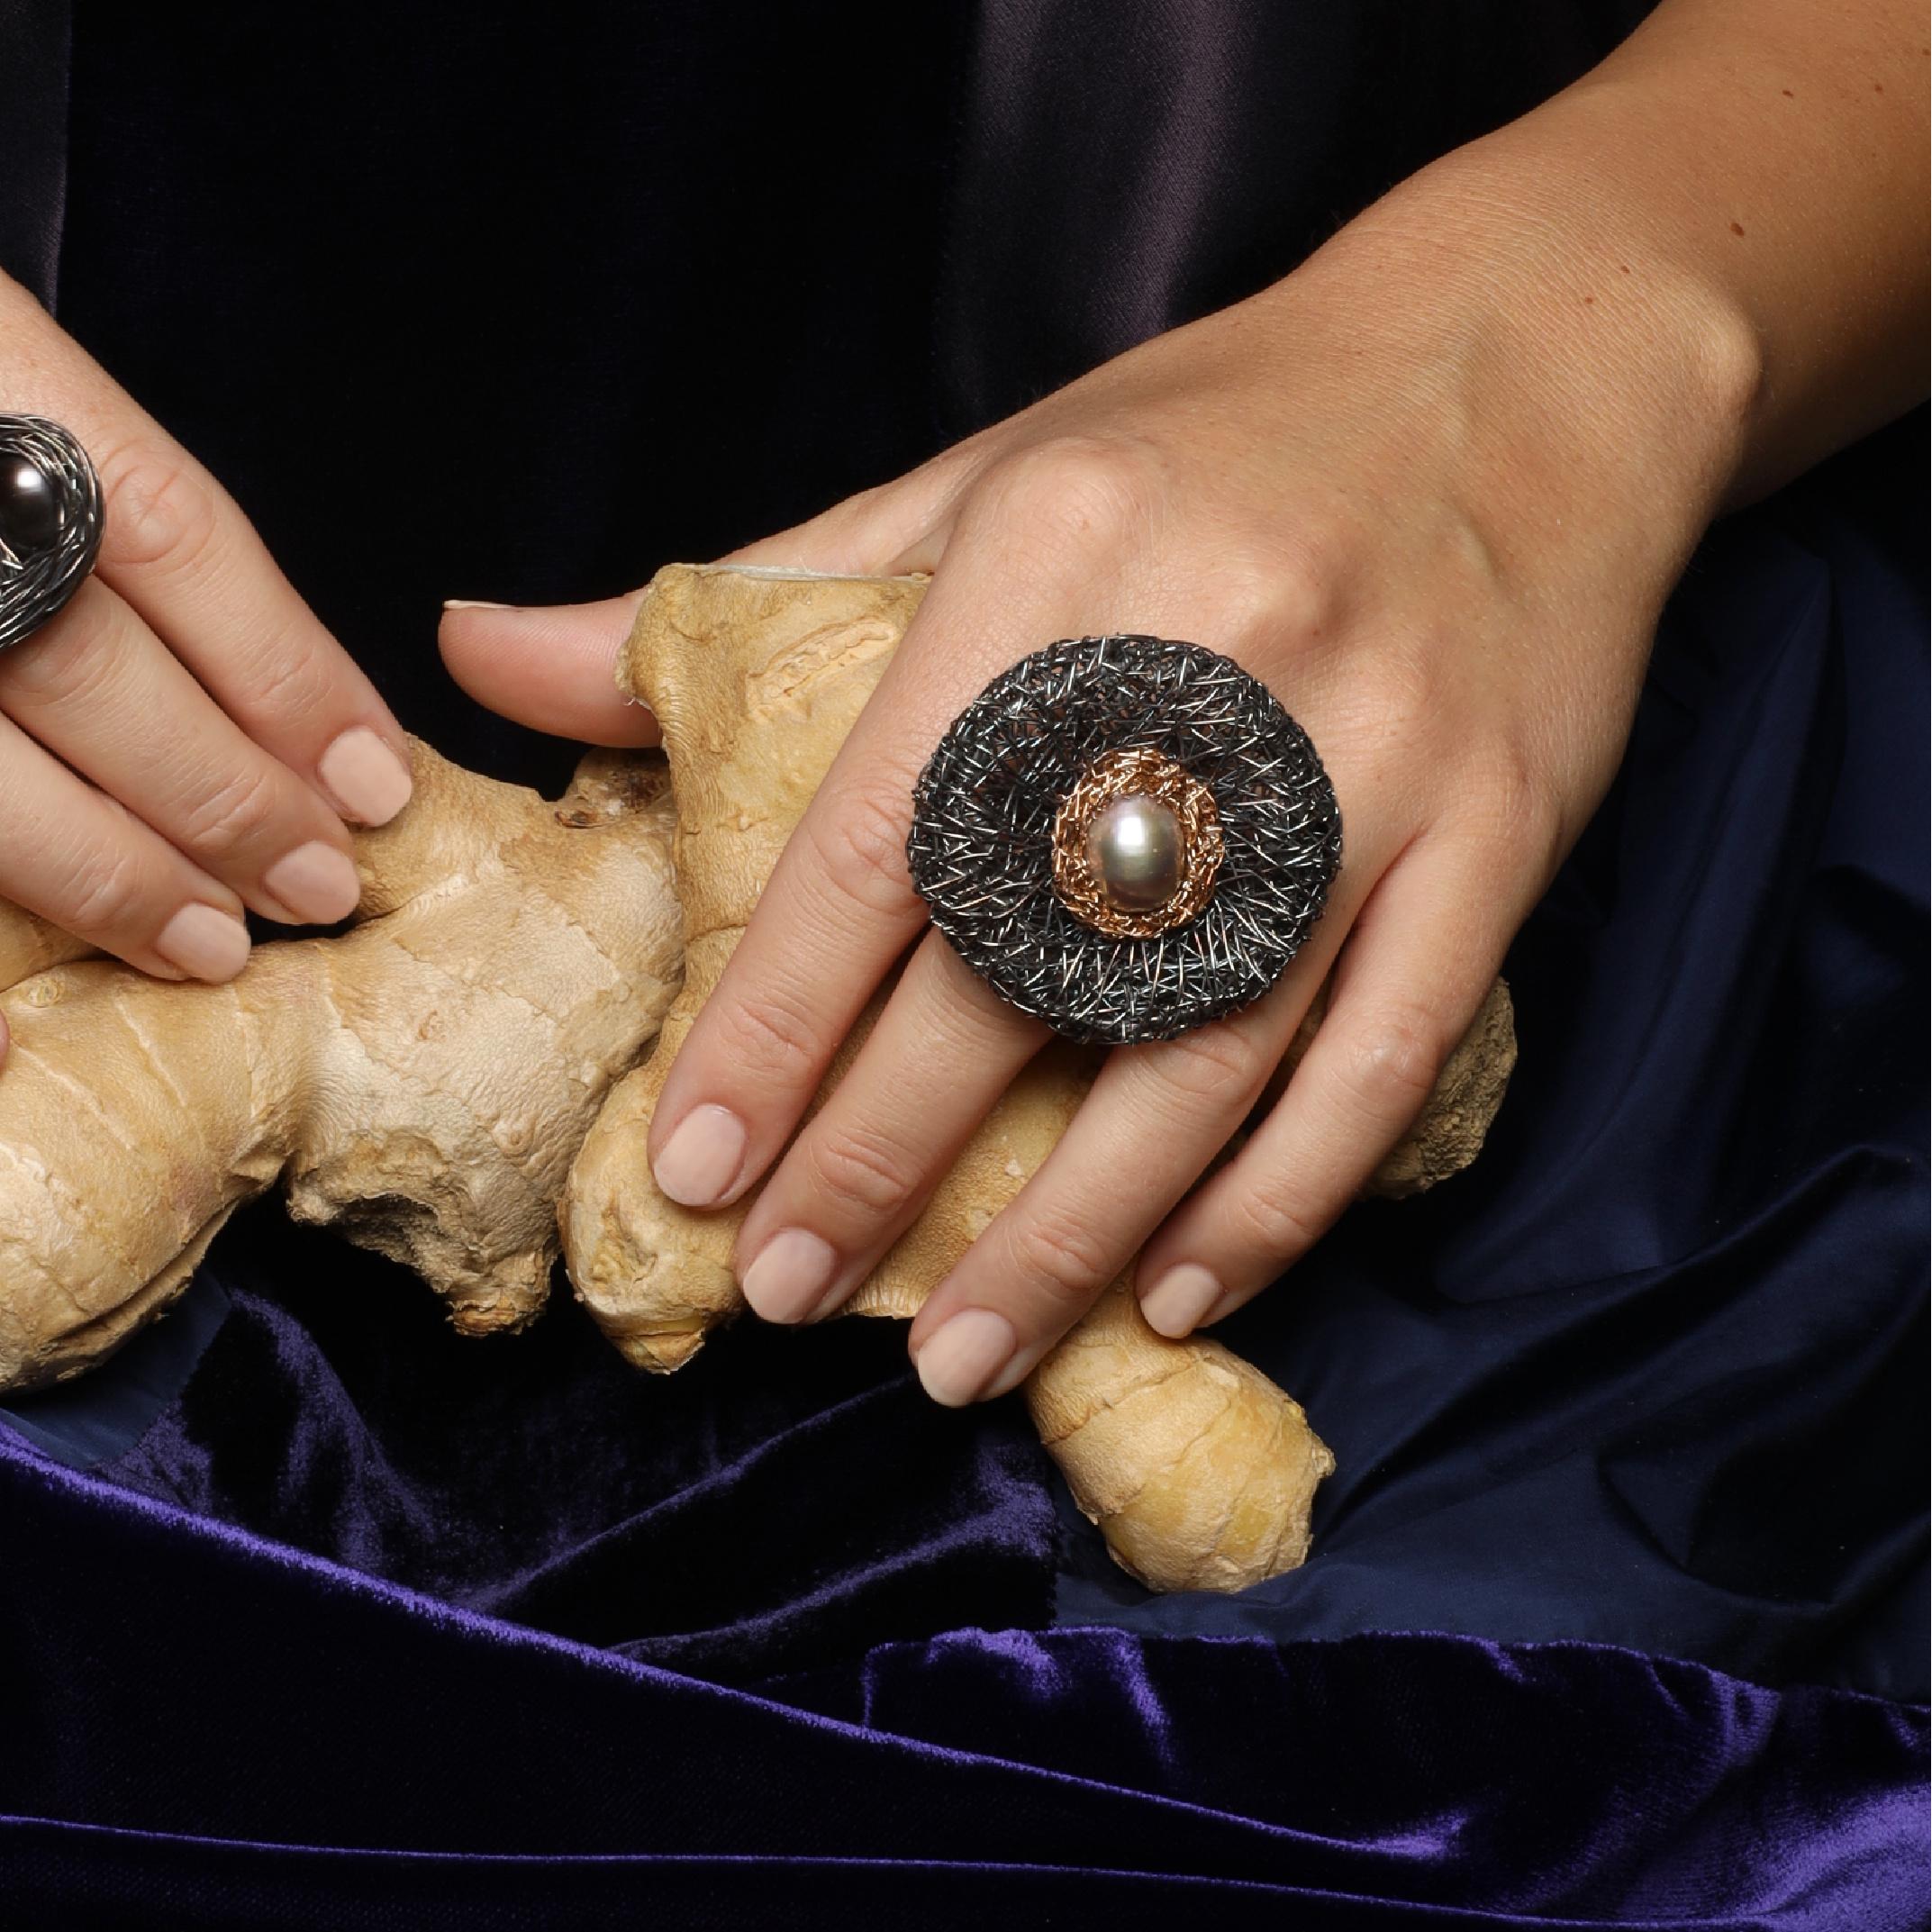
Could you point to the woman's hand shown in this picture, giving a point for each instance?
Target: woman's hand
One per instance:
(1432, 489)
(1437, 518)
(184, 738)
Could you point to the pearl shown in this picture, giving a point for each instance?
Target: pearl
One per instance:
(1134, 850)
(30, 509)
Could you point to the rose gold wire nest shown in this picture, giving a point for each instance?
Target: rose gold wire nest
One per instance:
(1139, 771)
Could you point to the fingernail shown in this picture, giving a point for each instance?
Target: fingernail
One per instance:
(789, 1275)
(964, 1359)
(369, 782)
(701, 1158)
(315, 882)
(204, 943)
(1175, 1303)
(474, 604)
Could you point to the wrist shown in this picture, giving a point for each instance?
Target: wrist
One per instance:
(1624, 379)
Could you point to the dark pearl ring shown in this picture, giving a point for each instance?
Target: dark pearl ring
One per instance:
(50, 521)
(1125, 835)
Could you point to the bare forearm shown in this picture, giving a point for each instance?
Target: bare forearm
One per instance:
(1752, 172)
(1782, 143)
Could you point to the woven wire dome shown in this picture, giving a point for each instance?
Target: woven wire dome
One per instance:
(981, 848)
(37, 579)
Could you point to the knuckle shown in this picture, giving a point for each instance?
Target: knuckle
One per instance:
(1248, 600)
(1299, 590)
(1213, 1063)
(161, 508)
(1269, 1218)
(1088, 491)
(1061, 1259)
(1390, 1060)
(858, 1172)
(1403, 688)
(107, 891)
(1511, 808)
(1509, 795)
(859, 844)
(70, 664)
(234, 815)
(767, 1040)
(290, 681)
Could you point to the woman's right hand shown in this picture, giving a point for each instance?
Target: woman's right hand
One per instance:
(184, 738)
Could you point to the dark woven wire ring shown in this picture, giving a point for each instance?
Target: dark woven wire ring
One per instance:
(43, 566)
(982, 844)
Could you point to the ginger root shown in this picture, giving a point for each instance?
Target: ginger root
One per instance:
(1200, 1471)
(421, 1080)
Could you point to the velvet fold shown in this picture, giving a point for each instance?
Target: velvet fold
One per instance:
(277, 1731)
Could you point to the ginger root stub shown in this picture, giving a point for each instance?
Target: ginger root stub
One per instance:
(422, 1081)
(1200, 1471)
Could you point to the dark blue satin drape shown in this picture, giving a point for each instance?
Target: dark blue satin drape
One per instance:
(312, 1613)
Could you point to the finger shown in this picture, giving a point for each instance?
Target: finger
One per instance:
(176, 546)
(72, 855)
(864, 1165)
(898, 526)
(552, 668)
(98, 689)
(839, 907)
(1156, 1116)
(1419, 962)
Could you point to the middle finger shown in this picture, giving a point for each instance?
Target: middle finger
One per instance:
(864, 1165)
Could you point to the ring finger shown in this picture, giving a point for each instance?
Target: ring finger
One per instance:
(99, 690)
(1157, 1115)
(1418, 966)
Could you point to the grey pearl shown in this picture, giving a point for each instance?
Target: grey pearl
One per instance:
(30, 505)
(1134, 849)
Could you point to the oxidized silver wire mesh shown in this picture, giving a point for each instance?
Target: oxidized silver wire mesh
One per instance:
(981, 846)
(36, 581)
(1136, 772)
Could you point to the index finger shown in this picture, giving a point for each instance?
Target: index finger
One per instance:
(839, 907)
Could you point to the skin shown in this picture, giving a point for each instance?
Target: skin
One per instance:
(1433, 488)
(182, 740)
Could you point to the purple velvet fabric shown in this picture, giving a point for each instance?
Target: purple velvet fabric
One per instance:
(314, 1614)
(247, 1734)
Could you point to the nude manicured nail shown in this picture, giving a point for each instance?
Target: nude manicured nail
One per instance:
(789, 1275)
(964, 1359)
(701, 1158)
(1175, 1303)
(204, 943)
(474, 604)
(315, 882)
(369, 781)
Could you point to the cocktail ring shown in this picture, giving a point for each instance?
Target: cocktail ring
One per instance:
(1126, 837)
(50, 521)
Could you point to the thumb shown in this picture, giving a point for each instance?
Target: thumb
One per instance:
(553, 667)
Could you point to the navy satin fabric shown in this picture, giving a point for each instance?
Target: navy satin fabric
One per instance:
(312, 1613)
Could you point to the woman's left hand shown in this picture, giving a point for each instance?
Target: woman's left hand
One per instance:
(1431, 489)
